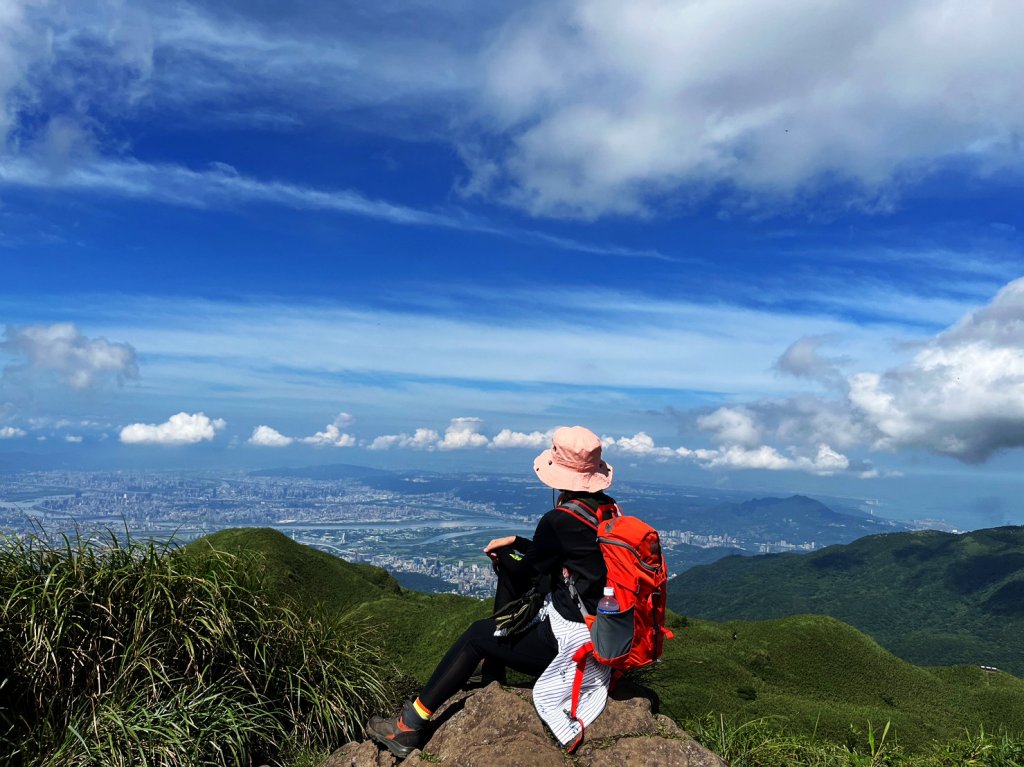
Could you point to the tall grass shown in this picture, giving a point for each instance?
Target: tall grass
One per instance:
(766, 743)
(123, 653)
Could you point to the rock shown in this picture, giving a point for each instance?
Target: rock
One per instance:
(623, 717)
(648, 751)
(669, 728)
(365, 754)
(499, 727)
(494, 728)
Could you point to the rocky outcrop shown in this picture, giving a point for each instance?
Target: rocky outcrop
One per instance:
(498, 727)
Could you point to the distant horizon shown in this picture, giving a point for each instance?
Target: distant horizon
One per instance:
(752, 490)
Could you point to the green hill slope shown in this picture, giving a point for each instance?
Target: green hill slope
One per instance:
(301, 573)
(815, 673)
(821, 675)
(932, 598)
(418, 628)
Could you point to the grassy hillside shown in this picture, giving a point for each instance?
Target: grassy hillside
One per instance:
(814, 673)
(821, 675)
(932, 598)
(301, 573)
(417, 627)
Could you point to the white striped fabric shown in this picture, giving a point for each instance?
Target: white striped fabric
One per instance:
(552, 694)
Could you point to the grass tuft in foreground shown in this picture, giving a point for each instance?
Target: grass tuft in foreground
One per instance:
(122, 653)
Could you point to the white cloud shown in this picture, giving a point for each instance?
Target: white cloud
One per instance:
(180, 429)
(463, 433)
(74, 439)
(265, 436)
(803, 360)
(604, 106)
(11, 432)
(733, 426)
(639, 444)
(331, 436)
(60, 349)
(962, 394)
(577, 107)
(824, 461)
(421, 439)
(506, 438)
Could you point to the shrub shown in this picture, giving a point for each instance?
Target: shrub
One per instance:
(116, 652)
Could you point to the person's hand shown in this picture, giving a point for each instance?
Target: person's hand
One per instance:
(491, 549)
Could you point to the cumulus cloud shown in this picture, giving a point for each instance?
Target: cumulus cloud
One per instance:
(463, 433)
(962, 394)
(180, 429)
(74, 439)
(421, 439)
(11, 432)
(639, 444)
(734, 426)
(824, 461)
(61, 350)
(332, 435)
(803, 360)
(265, 436)
(604, 107)
(506, 438)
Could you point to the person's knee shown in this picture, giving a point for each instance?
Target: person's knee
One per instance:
(481, 629)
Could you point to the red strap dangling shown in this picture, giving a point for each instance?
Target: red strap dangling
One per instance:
(580, 659)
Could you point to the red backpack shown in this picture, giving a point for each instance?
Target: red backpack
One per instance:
(633, 637)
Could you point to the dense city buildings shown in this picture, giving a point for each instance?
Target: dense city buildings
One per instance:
(427, 530)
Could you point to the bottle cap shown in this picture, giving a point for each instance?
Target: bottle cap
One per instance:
(608, 591)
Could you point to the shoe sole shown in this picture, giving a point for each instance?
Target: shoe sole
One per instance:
(395, 748)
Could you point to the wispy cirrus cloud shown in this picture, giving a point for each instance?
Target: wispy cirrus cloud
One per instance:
(221, 186)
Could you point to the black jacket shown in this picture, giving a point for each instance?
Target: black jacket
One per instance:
(562, 540)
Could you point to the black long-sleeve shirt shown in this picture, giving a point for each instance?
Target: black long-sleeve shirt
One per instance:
(562, 540)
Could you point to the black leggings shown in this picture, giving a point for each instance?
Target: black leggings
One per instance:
(529, 651)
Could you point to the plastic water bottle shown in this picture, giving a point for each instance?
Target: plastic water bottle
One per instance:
(608, 604)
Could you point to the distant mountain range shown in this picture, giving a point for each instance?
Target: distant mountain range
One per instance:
(929, 597)
(796, 519)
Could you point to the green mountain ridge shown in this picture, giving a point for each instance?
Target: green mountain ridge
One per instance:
(816, 673)
(931, 598)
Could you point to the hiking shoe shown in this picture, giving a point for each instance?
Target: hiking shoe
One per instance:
(394, 735)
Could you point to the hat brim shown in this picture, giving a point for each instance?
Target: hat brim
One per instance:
(559, 477)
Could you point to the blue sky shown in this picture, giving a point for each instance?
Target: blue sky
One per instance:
(765, 244)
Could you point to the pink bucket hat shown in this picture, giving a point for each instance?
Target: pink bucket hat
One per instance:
(574, 461)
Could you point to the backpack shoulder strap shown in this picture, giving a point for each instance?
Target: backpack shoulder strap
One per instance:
(591, 517)
(581, 511)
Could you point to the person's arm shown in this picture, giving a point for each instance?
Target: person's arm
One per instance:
(545, 551)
